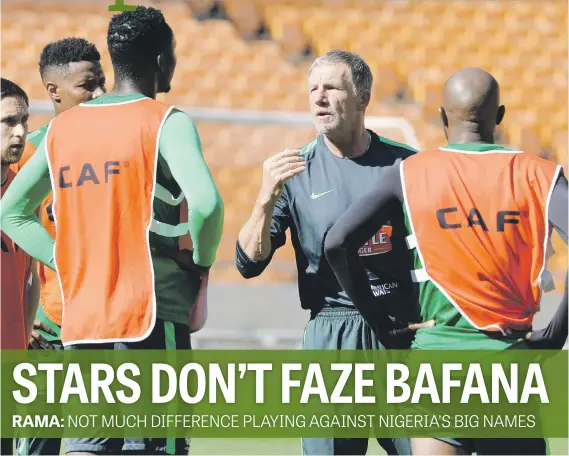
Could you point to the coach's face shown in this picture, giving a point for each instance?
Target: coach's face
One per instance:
(333, 102)
(14, 128)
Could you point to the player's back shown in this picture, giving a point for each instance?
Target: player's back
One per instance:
(103, 164)
(479, 219)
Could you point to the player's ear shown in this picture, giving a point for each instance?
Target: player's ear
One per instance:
(161, 62)
(500, 115)
(53, 91)
(364, 99)
(444, 118)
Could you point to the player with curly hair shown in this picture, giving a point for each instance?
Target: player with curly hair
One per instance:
(124, 208)
(71, 73)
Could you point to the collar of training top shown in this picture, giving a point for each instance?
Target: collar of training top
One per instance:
(475, 147)
(108, 98)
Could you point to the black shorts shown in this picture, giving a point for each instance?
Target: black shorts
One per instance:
(499, 446)
(165, 336)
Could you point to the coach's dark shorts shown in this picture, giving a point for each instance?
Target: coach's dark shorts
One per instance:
(165, 336)
(500, 446)
(343, 328)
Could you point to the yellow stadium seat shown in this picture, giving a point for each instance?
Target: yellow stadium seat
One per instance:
(560, 146)
(522, 133)
(173, 10)
(200, 6)
(287, 30)
(244, 15)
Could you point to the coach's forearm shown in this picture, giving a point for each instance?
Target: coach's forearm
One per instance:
(255, 236)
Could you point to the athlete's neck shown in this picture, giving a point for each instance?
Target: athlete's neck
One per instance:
(130, 87)
(350, 146)
(464, 136)
(5, 169)
(57, 109)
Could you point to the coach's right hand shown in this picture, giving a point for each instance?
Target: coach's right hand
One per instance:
(277, 170)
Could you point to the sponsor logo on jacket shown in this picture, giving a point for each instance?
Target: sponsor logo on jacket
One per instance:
(379, 243)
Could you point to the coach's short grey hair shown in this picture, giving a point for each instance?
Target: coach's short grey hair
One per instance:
(359, 69)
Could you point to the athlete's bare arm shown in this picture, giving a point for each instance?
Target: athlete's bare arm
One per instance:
(181, 148)
(254, 238)
(19, 221)
(554, 335)
(33, 296)
(358, 224)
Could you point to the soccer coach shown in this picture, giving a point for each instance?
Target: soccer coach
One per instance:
(306, 191)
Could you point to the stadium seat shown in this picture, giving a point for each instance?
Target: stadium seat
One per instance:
(201, 8)
(286, 29)
(245, 16)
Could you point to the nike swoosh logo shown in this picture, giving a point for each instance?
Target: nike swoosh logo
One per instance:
(318, 195)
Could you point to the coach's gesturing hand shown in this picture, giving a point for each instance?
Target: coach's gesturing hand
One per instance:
(276, 171)
(254, 238)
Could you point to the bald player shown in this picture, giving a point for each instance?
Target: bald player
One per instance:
(479, 218)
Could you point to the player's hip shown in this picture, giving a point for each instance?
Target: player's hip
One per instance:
(165, 335)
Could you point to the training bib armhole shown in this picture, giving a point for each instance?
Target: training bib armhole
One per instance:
(46, 140)
(548, 229)
(36, 136)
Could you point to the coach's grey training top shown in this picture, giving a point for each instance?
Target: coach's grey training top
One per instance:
(310, 205)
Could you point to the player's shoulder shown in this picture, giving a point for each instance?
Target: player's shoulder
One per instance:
(36, 136)
(400, 150)
(178, 119)
(536, 166)
(161, 105)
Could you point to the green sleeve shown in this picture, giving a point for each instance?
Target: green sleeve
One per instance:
(24, 195)
(181, 148)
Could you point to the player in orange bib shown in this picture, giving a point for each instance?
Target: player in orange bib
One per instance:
(72, 74)
(479, 218)
(20, 284)
(121, 166)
